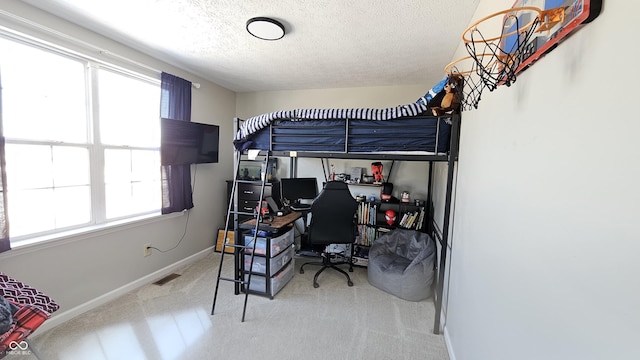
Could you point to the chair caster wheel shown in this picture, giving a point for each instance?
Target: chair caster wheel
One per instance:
(350, 283)
(351, 270)
(301, 271)
(316, 285)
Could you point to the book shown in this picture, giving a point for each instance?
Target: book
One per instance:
(420, 219)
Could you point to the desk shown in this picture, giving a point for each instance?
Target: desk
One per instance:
(274, 225)
(272, 266)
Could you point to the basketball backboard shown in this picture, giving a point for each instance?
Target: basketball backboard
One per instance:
(505, 43)
(560, 18)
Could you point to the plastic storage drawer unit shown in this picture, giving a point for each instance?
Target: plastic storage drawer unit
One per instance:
(275, 264)
(277, 282)
(278, 244)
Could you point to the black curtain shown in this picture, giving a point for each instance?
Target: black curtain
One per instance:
(175, 103)
(5, 244)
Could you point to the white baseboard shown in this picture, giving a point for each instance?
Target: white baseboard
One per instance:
(447, 342)
(112, 295)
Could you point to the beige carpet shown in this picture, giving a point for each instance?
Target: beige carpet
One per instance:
(173, 321)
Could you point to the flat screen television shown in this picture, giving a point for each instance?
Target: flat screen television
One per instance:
(186, 142)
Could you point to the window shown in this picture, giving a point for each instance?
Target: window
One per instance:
(82, 140)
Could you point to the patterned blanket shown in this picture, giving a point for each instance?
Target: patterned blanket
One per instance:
(21, 293)
(32, 308)
(25, 321)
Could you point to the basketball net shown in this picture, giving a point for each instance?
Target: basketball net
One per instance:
(494, 61)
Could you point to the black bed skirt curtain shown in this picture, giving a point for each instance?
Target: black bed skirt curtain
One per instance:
(5, 244)
(175, 103)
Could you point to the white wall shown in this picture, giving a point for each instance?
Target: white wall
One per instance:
(545, 240)
(86, 269)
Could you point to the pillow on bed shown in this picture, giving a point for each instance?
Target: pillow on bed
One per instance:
(433, 91)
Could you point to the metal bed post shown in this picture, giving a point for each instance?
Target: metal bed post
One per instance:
(435, 150)
(346, 136)
(449, 156)
(428, 203)
(453, 156)
(293, 166)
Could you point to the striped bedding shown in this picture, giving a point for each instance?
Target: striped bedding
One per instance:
(257, 123)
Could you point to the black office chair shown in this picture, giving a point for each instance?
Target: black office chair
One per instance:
(332, 222)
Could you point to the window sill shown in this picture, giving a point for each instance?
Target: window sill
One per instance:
(47, 241)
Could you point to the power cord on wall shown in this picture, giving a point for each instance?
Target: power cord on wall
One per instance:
(184, 233)
(179, 241)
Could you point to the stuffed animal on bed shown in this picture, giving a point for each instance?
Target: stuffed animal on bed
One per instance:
(447, 100)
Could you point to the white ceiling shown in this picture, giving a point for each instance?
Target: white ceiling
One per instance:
(328, 43)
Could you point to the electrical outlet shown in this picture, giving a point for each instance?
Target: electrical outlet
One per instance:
(147, 249)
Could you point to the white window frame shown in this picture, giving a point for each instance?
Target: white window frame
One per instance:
(98, 220)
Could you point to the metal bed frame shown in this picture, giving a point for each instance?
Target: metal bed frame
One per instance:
(449, 157)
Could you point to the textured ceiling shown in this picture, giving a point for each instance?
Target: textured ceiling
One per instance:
(328, 43)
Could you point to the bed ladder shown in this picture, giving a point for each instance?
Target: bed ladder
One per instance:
(239, 245)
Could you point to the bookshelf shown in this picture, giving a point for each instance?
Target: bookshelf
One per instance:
(372, 224)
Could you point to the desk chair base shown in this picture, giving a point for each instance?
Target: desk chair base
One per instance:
(326, 264)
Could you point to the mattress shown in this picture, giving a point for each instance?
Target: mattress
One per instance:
(400, 129)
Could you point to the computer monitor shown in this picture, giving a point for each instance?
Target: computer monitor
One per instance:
(301, 190)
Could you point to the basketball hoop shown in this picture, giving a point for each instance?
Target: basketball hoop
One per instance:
(507, 42)
(467, 69)
(494, 60)
(530, 13)
(508, 49)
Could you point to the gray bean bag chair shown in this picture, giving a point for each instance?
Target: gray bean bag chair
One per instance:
(401, 263)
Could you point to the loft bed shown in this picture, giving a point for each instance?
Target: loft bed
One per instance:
(405, 132)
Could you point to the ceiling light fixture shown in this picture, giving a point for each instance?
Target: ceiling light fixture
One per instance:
(265, 28)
